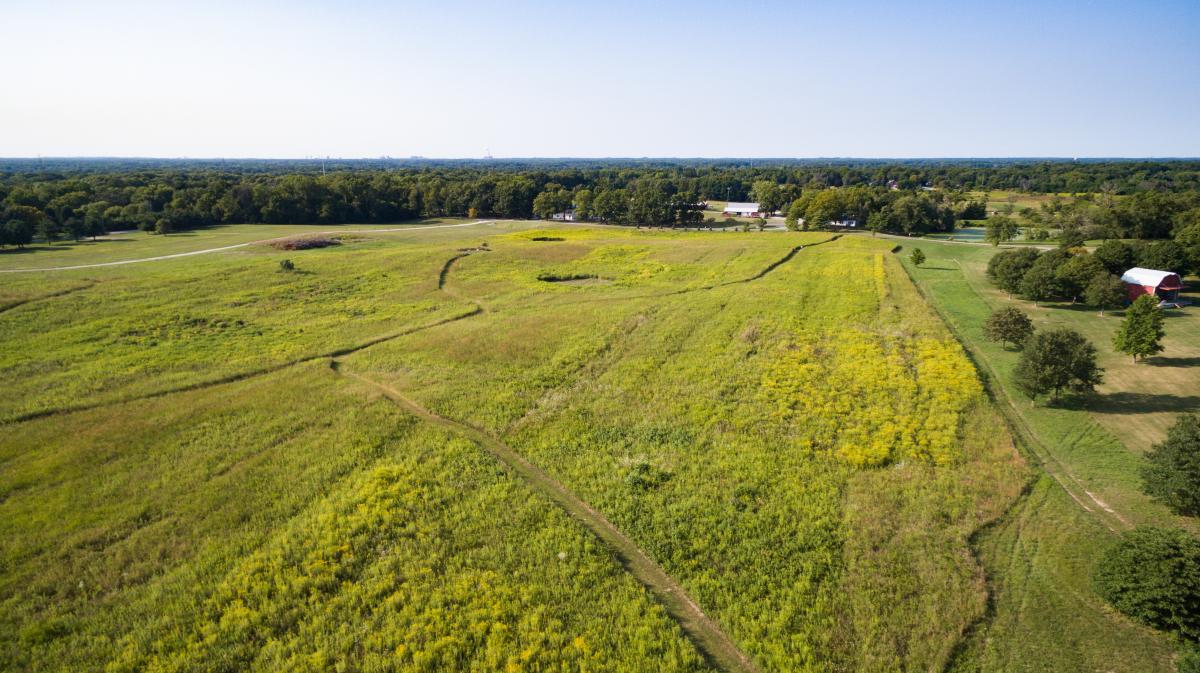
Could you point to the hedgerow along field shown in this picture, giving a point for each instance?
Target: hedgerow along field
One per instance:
(776, 420)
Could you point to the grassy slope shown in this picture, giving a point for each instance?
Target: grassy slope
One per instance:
(1041, 556)
(136, 244)
(143, 329)
(287, 523)
(645, 394)
(771, 540)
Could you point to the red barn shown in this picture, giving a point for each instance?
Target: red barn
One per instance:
(1162, 284)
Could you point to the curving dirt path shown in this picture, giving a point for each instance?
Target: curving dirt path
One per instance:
(30, 300)
(415, 227)
(703, 631)
(241, 376)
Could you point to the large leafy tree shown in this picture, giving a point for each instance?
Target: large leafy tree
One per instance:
(1141, 333)
(1000, 228)
(1008, 325)
(1153, 575)
(1116, 256)
(1007, 268)
(18, 233)
(880, 220)
(1163, 255)
(1189, 238)
(769, 195)
(826, 206)
(1105, 291)
(1057, 360)
(1172, 471)
(554, 200)
(1075, 274)
(1041, 281)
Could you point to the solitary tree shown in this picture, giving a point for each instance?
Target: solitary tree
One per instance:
(1000, 228)
(1055, 360)
(879, 220)
(1105, 291)
(917, 257)
(1141, 333)
(1172, 473)
(795, 216)
(1153, 575)
(1008, 325)
(18, 233)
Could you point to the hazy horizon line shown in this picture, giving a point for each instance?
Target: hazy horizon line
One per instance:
(1014, 157)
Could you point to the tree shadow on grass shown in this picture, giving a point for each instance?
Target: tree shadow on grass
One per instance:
(61, 245)
(1133, 403)
(937, 268)
(1159, 361)
(1082, 308)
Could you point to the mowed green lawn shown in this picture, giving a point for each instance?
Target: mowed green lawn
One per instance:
(1137, 401)
(1051, 543)
(777, 419)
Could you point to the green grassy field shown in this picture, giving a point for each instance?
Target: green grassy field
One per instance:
(129, 245)
(998, 198)
(204, 468)
(1091, 450)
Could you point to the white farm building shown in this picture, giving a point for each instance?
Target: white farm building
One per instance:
(743, 209)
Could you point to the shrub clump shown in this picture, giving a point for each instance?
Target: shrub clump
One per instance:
(305, 243)
(565, 277)
(1153, 575)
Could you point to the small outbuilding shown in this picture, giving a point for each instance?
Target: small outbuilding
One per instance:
(1163, 284)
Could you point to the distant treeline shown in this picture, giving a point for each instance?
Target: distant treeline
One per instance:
(54, 198)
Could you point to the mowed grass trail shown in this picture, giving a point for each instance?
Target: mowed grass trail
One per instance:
(776, 421)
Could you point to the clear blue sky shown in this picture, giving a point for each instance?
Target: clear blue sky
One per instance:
(452, 78)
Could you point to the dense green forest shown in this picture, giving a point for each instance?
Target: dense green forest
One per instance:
(75, 198)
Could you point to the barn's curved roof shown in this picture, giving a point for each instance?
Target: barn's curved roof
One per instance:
(741, 207)
(1151, 278)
